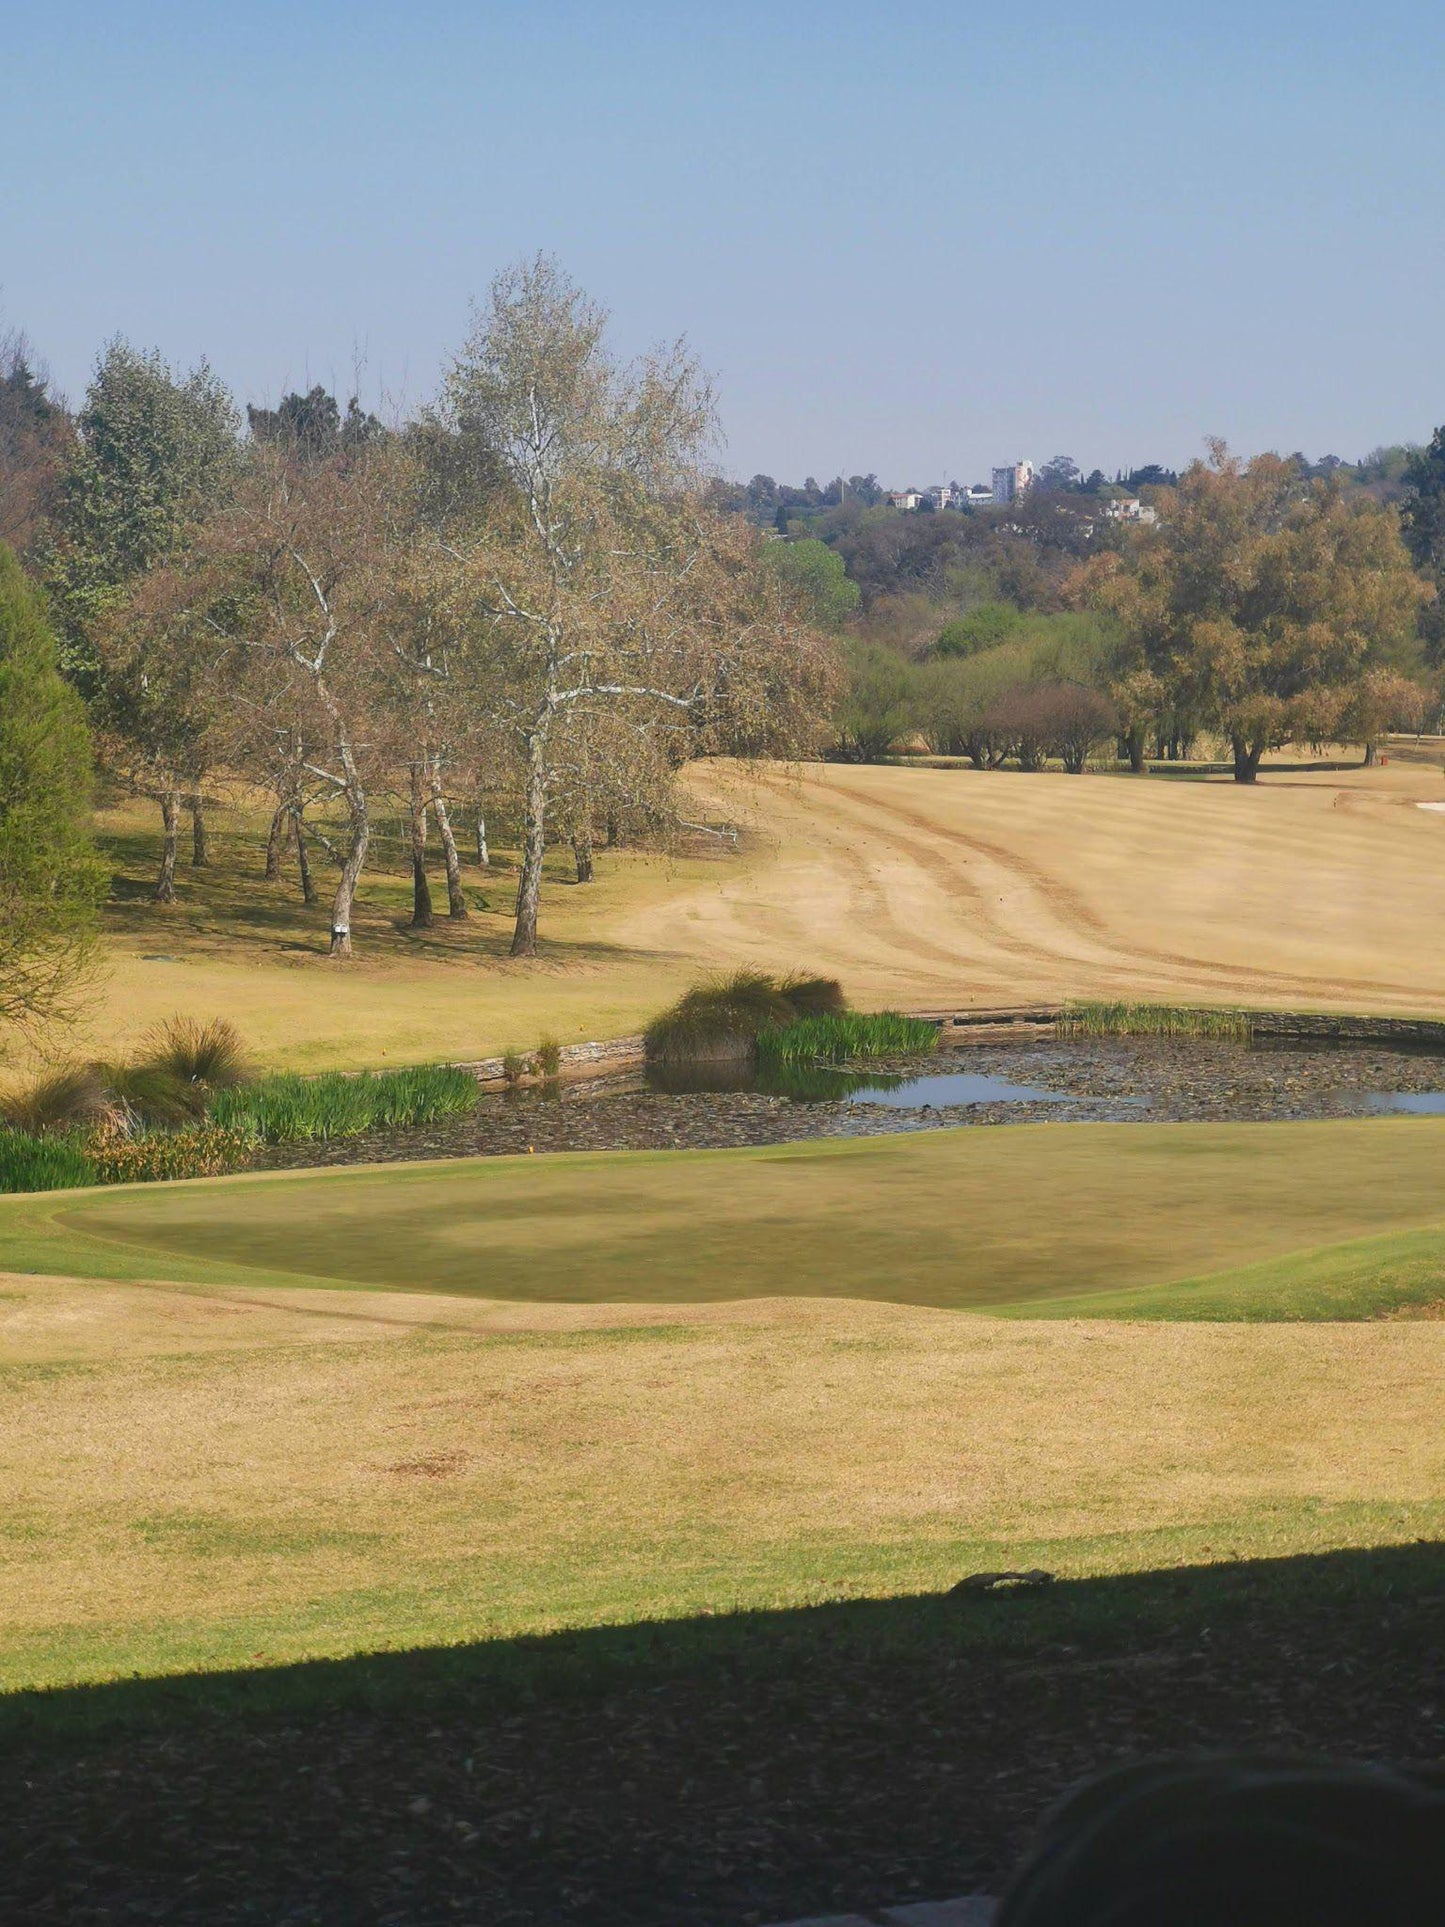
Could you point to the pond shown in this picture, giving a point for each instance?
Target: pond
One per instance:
(1422, 1103)
(1046, 1080)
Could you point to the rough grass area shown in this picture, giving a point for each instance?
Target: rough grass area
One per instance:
(920, 888)
(841, 1037)
(286, 1108)
(211, 1478)
(1173, 1220)
(1154, 1020)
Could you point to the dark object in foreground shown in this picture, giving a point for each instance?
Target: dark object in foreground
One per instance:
(758, 1766)
(1238, 1843)
(1001, 1581)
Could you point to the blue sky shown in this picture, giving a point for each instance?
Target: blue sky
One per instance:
(918, 239)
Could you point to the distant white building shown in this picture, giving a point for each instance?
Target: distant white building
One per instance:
(1128, 508)
(978, 497)
(1012, 482)
(905, 498)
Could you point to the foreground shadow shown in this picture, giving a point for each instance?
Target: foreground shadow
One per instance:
(698, 1773)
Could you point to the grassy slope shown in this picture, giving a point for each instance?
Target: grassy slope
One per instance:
(267, 1461)
(916, 886)
(1139, 1220)
(205, 1479)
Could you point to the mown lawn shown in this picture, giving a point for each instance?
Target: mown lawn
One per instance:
(250, 1421)
(1235, 1221)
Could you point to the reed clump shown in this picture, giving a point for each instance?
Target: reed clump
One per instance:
(720, 1019)
(287, 1108)
(1154, 1020)
(158, 1156)
(30, 1163)
(842, 1036)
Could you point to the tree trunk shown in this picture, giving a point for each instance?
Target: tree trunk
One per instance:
(582, 851)
(456, 898)
(276, 840)
(1246, 759)
(614, 831)
(484, 855)
(529, 885)
(1369, 755)
(421, 910)
(200, 848)
(1134, 743)
(303, 861)
(350, 874)
(171, 823)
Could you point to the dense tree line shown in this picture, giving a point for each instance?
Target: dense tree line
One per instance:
(520, 607)
(521, 612)
(1266, 605)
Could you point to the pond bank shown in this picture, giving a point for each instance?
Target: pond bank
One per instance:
(1111, 1080)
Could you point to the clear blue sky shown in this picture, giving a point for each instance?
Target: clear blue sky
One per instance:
(918, 239)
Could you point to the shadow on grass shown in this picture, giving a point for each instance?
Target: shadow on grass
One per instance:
(694, 1773)
(228, 909)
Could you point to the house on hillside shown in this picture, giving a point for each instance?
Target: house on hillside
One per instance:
(1128, 508)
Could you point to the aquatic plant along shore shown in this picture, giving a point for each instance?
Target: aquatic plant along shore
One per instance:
(1091, 1080)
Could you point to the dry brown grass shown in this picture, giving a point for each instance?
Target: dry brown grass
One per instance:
(931, 887)
(916, 886)
(195, 1477)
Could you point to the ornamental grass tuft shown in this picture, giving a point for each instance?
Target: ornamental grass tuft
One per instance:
(721, 1018)
(210, 1055)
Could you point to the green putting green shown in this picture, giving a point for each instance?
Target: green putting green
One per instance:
(1223, 1221)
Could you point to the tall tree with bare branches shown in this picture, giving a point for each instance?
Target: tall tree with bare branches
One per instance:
(599, 580)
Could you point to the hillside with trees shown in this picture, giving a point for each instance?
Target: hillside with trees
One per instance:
(518, 612)
(513, 618)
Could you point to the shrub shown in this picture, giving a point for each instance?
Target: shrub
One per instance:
(73, 1098)
(877, 704)
(853, 1033)
(719, 1018)
(154, 1097)
(41, 1163)
(984, 627)
(287, 1108)
(549, 1057)
(210, 1055)
(813, 996)
(157, 1155)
